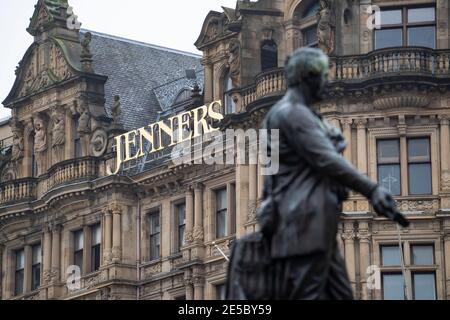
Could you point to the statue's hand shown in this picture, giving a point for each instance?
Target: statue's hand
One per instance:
(384, 205)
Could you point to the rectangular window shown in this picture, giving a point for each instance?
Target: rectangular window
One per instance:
(36, 267)
(388, 154)
(96, 247)
(19, 272)
(180, 214)
(407, 26)
(422, 255)
(78, 249)
(76, 140)
(424, 286)
(155, 236)
(393, 286)
(221, 213)
(390, 255)
(419, 166)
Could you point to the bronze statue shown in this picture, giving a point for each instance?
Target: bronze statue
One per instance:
(295, 256)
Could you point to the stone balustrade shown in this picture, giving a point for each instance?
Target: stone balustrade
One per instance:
(17, 190)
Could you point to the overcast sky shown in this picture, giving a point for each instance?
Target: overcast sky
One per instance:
(170, 23)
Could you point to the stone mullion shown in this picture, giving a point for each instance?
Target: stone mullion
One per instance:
(198, 228)
(56, 254)
(189, 216)
(349, 244)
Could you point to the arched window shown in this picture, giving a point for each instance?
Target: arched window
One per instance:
(227, 85)
(306, 13)
(269, 55)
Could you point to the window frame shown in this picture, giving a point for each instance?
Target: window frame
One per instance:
(429, 163)
(78, 252)
(389, 163)
(20, 272)
(34, 266)
(218, 235)
(405, 25)
(179, 243)
(96, 248)
(152, 235)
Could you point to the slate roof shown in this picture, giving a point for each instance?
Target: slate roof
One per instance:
(135, 70)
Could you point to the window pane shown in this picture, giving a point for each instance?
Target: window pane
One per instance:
(154, 247)
(96, 234)
(388, 38)
(78, 259)
(95, 258)
(391, 17)
(269, 55)
(422, 37)
(423, 255)
(393, 287)
(181, 209)
(222, 229)
(20, 260)
(419, 149)
(221, 199)
(36, 254)
(420, 179)
(424, 286)
(312, 10)
(388, 151)
(18, 283)
(389, 178)
(421, 15)
(35, 277)
(154, 223)
(79, 240)
(390, 256)
(310, 36)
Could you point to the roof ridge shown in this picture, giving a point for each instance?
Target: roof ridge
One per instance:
(154, 46)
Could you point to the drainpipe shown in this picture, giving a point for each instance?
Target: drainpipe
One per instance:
(138, 245)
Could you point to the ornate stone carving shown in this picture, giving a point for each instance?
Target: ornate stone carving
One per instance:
(326, 27)
(18, 145)
(198, 233)
(99, 142)
(445, 181)
(116, 209)
(84, 121)
(348, 235)
(40, 142)
(58, 134)
(152, 270)
(116, 110)
(252, 205)
(212, 31)
(419, 205)
(401, 101)
(189, 236)
(234, 60)
(85, 45)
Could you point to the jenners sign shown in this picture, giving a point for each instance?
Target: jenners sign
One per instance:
(166, 133)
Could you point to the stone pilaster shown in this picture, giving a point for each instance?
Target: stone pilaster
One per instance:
(189, 236)
(347, 132)
(349, 244)
(117, 211)
(198, 228)
(209, 76)
(252, 191)
(107, 231)
(56, 254)
(445, 154)
(199, 287)
(47, 253)
(364, 238)
(27, 270)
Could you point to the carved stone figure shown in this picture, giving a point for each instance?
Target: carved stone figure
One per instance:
(18, 146)
(58, 135)
(326, 27)
(85, 45)
(116, 109)
(84, 120)
(234, 61)
(296, 255)
(40, 142)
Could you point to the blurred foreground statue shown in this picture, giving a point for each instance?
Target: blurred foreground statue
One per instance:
(295, 256)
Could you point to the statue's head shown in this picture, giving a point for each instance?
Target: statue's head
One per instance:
(308, 68)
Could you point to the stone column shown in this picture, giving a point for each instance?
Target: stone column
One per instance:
(347, 132)
(252, 191)
(199, 284)
(349, 245)
(1, 272)
(27, 270)
(447, 259)
(362, 145)
(87, 234)
(189, 216)
(117, 233)
(107, 248)
(198, 228)
(364, 249)
(209, 76)
(56, 253)
(242, 193)
(188, 285)
(47, 253)
(260, 182)
(445, 154)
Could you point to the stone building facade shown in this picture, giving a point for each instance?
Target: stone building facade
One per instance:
(158, 230)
